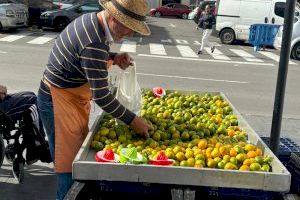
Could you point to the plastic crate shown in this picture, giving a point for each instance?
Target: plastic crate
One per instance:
(262, 34)
(286, 148)
(236, 194)
(294, 168)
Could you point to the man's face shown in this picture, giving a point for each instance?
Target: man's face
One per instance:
(207, 8)
(118, 30)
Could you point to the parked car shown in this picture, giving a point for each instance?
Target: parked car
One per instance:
(12, 15)
(59, 19)
(295, 44)
(62, 4)
(171, 9)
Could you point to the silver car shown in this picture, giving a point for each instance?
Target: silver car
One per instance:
(12, 15)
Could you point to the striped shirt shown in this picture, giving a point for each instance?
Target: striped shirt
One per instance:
(80, 55)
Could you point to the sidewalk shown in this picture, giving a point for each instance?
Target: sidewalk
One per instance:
(40, 181)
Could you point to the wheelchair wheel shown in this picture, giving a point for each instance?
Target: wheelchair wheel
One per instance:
(10, 153)
(18, 169)
(2, 150)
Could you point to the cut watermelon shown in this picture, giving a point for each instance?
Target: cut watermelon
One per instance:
(161, 159)
(159, 92)
(106, 156)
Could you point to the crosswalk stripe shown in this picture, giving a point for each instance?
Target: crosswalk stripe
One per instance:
(218, 55)
(12, 38)
(186, 51)
(245, 55)
(128, 46)
(157, 49)
(273, 56)
(40, 40)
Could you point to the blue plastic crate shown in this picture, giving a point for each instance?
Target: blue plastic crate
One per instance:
(286, 148)
(262, 34)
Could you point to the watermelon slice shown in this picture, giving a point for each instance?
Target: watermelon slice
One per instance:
(161, 159)
(106, 156)
(159, 92)
(130, 155)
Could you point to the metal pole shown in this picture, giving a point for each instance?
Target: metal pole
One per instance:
(282, 75)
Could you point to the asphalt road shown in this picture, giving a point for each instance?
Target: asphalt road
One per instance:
(167, 58)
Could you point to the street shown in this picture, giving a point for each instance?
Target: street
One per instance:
(167, 58)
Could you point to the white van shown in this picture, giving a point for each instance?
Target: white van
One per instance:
(234, 17)
(13, 16)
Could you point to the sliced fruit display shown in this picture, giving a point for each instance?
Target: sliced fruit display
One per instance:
(130, 155)
(159, 91)
(161, 159)
(106, 156)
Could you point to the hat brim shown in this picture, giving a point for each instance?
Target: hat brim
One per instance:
(133, 24)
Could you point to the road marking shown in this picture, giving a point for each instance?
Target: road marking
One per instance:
(182, 41)
(273, 56)
(216, 54)
(197, 42)
(192, 78)
(12, 38)
(206, 60)
(245, 55)
(167, 41)
(40, 40)
(128, 46)
(157, 49)
(172, 25)
(186, 51)
(3, 52)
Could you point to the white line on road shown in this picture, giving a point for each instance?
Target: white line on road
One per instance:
(192, 78)
(182, 41)
(3, 52)
(217, 54)
(273, 56)
(128, 46)
(172, 25)
(12, 38)
(207, 60)
(186, 51)
(167, 41)
(157, 49)
(245, 55)
(40, 40)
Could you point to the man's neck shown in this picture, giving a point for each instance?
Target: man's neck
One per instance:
(100, 20)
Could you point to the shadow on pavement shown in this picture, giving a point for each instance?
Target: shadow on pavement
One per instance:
(39, 183)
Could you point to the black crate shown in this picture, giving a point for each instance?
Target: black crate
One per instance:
(294, 168)
(286, 148)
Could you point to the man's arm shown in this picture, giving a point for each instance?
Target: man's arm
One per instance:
(3, 92)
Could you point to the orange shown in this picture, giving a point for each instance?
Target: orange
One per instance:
(231, 133)
(211, 163)
(191, 162)
(215, 153)
(247, 162)
(251, 154)
(244, 168)
(249, 147)
(241, 157)
(189, 154)
(255, 167)
(230, 166)
(180, 156)
(259, 152)
(224, 150)
(202, 144)
(233, 152)
(218, 145)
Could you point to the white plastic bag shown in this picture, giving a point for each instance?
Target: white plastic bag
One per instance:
(129, 92)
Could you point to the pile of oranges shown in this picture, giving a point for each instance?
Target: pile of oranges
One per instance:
(193, 130)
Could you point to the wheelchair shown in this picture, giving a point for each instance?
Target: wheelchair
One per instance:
(18, 136)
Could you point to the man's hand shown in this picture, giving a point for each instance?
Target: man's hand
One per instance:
(139, 125)
(3, 92)
(123, 60)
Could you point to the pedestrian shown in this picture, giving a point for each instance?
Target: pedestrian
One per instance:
(77, 72)
(34, 14)
(206, 22)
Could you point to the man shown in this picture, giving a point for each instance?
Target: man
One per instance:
(206, 22)
(77, 71)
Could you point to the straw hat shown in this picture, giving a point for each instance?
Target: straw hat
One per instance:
(131, 13)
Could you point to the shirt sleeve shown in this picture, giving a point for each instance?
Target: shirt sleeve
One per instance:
(93, 61)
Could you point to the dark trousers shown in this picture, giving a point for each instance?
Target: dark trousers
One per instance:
(34, 17)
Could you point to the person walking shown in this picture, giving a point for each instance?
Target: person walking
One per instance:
(206, 22)
(77, 72)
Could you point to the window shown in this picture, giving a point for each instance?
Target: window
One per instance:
(279, 9)
(169, 5)
(90, 7)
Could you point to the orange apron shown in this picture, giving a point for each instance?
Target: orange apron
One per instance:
(71, 108)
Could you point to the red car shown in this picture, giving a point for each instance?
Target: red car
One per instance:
(171, 9)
